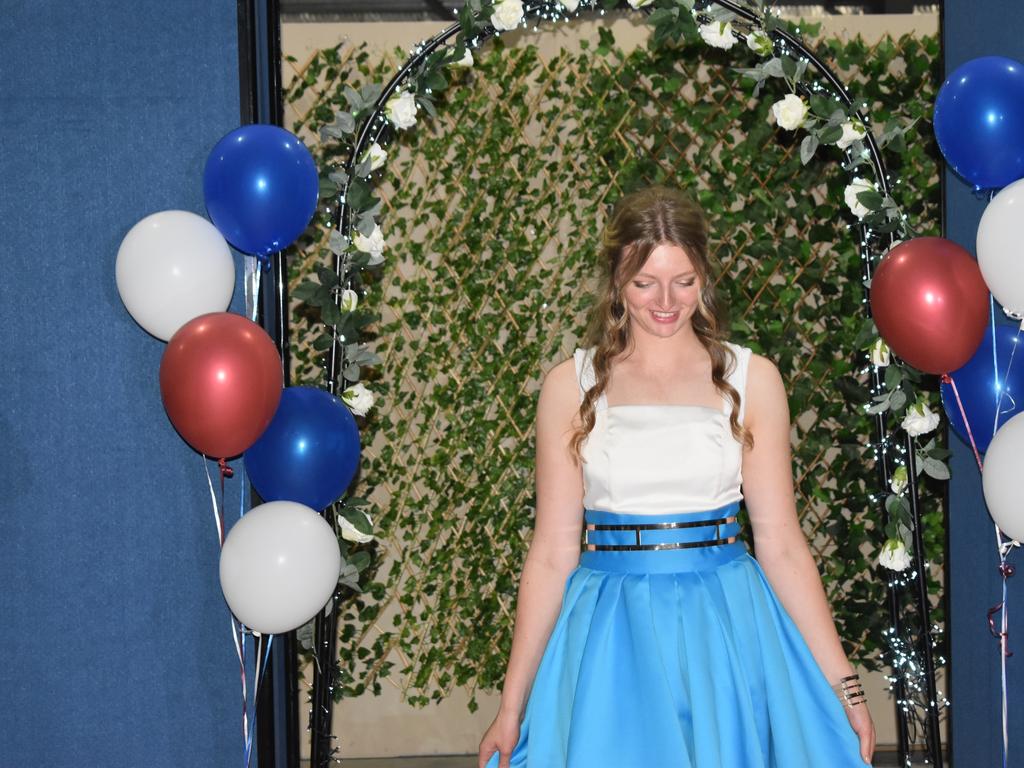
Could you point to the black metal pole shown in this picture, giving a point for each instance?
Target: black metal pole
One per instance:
(261, 101)
(932, 733)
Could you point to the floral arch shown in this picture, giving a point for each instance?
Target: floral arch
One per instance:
(818, 111)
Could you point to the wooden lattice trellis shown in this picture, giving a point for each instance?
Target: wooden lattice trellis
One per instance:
(492, 211)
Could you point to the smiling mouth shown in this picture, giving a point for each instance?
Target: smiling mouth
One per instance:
(664, 317)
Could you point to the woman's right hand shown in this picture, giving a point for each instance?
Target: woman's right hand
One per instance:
(501, 737)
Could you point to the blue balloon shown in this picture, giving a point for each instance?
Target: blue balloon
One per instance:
(261, 187)
(310, 451)
(979, 121)
(982, 393)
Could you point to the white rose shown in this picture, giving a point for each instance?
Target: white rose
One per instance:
(639, 3)
(759, 42)
(880, 353)
(853, 189)
(466, 61)
(349, 300)
(920, 420)
(718, 34)
(898, 483)
(401, 109)
(570, 5)
(894, 555)
(376, 155)
(853, 130)
(507, 14)
(350, 533)
(373, 245)
(358, 399)
(790, 112)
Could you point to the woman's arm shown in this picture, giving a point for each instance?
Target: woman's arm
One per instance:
(555, 548)
(780, 544)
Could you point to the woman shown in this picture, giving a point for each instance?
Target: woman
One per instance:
(665, 643)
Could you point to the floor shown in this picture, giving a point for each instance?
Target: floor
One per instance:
(883, 759)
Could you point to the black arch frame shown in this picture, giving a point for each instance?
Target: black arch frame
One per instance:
(375, 127)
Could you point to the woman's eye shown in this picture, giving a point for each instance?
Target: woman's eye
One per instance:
(641, 285)
(686, 283)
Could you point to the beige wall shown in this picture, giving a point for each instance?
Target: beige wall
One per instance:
(379, 726)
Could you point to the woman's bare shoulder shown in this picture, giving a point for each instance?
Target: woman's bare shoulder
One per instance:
(560, 387)
(765, 388)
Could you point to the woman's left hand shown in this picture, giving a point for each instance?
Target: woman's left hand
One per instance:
(860, 719)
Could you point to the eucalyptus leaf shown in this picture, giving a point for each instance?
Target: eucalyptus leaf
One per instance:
(870, 199)
(346, 122)
(879, 406)
(435, 81)
(830, 134)
(893, 376)
(774, 67)
(349, 576)
(898, 400)
(428, 104)
(360, 559)
(337, 242)
(365, 225)
(897, 506)
(355, 101)
(934, 468)
(338, 176)
(359, 521)
(326, 275)
(808, 147)
(363, 167)
(789, 66)
(371, 92)
(801, 69)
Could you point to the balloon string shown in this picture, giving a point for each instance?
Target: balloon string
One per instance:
(213, 500)
(995, 363)
(238, 636)
(1003, 640)
(1001, 386)
(253, 295)
(237, 631)
(260, 671)
(1006, 379)
(947, 379)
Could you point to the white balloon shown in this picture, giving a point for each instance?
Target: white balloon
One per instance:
(174, 266)
(1001, 478)
(279, 566)
(1000, 236)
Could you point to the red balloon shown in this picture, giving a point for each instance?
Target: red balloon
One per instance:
(930, 303)
(221, 381)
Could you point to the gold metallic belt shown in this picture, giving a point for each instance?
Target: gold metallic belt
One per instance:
(639, 527)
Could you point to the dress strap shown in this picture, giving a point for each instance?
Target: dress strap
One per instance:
(585, 375)
(737, 376)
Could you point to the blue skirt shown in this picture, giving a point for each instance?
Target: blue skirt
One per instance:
(678, 658)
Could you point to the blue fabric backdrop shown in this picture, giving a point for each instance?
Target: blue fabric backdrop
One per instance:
(970, 30)
(116, 648)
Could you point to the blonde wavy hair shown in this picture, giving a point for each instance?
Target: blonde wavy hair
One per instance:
(640, 222)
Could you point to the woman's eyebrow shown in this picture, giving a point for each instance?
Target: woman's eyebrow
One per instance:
(681, 274)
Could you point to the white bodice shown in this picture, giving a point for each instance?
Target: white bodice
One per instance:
(659, 459)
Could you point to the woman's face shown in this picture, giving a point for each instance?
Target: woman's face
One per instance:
(662, 297)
